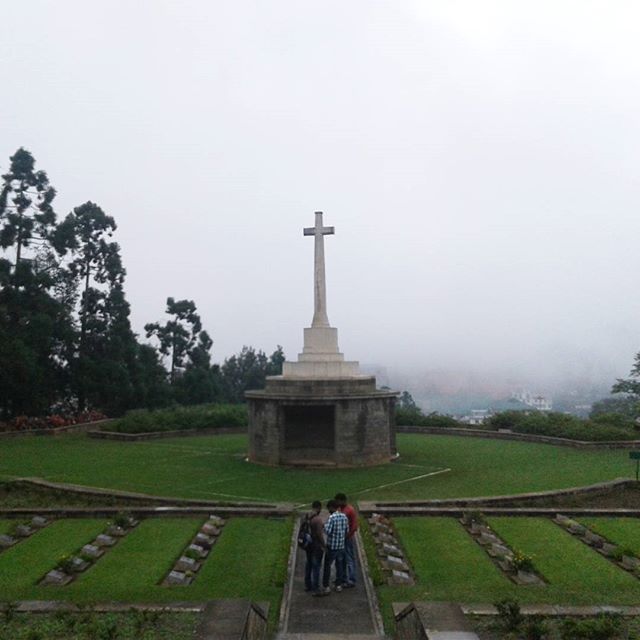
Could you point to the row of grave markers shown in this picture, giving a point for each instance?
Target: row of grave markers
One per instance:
(507, 559)
(390, 554)
(624, 558)
(22, 531)
(185, 569)
(68, 568)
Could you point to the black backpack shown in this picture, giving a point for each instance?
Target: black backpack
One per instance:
(304, 534)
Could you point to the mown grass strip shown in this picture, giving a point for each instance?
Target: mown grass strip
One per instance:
(577, 573)
(621, 531)
(132, 569)
(24, 564)
(214, 468)
(248, 561)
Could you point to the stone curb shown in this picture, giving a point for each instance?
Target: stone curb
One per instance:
(525, 437)
(552, 610)
(55, 431)
(144, 497)
(481, 501)
(374, 605)
(147, 512)
(158, 435)
(457, 512)
(51, 606)
(285, 605)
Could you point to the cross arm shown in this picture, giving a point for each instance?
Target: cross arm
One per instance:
(325, 231)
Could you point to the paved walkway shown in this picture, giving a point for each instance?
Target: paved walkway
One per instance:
(439, 620)
(348, 614)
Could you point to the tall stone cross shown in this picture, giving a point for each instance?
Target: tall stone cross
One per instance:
(320, 318)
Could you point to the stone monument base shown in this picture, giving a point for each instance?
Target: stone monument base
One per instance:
(316, 422)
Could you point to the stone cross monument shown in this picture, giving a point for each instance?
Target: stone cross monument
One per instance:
(321, 411)
(320, 357)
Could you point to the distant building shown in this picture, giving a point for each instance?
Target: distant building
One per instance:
(477, 416)
(539, 403)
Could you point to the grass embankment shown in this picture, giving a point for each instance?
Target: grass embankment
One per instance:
(451, 566)
(203, 416)
(214, 467)
(622, 531)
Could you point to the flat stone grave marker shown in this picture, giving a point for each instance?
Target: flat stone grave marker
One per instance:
(204, 541)
(391, 549)
(178, 578)
(608, 549)
(23, 530)
(496, 550)
(187, 564)
(560, 519)
(506, 563)
(395, 563)
(630, 562)
(91, 551)
(78, 565)
(593, 539)
(202, 553)
(400, 577)
(57, 578)
(386, 537)
(216, 521)
(488, 538)
(577, 529)
(103, 540)
(38, 522)
(116, 531)
(526, 578)
(210, 529)
(6, 541)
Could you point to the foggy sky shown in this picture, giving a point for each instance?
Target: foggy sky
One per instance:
(478, 159)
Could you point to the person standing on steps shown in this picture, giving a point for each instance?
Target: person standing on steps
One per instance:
(336, 529)
(314, 550)
(350, 542)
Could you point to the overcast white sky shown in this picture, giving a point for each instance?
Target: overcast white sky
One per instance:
(478, 159)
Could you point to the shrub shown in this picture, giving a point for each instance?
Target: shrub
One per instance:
(414, 417)
(203, 416)
(522, 562)
(65, 564)
(509, 614)
(535, 628)
(603, 627)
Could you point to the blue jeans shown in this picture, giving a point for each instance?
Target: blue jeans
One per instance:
(331, 556)
(312, 569)
(350, 559)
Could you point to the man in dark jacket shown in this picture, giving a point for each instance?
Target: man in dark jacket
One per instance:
(315, 550)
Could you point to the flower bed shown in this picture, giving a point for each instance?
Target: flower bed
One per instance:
(54, 421)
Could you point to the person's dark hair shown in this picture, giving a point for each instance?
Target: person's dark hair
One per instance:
(316, 504)
(340, 497)
(332, 505)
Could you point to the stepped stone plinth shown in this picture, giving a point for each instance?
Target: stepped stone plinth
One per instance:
(321, 411)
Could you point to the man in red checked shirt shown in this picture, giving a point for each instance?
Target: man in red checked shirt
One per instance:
(350, 543)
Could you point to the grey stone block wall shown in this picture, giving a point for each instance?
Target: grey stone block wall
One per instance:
(364, 422)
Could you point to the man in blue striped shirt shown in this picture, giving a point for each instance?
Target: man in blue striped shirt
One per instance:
(336, 529)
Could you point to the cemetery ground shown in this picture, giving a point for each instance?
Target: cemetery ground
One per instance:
(250, 556)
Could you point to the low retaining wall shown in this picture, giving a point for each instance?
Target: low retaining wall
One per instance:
(155, 435)
(513, 501)
(524, 437)
(55, 431)
(132, 498)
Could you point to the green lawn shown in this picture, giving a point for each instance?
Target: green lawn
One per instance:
(451, 566)
(24, 564)
(6, 525)
(622, 531)
(214, 468)
(248, 561)
(576, 573)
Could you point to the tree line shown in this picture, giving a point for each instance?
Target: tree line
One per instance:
(66, 342)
